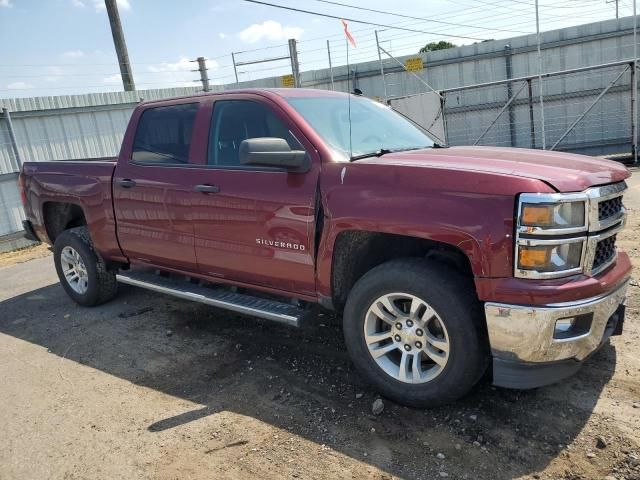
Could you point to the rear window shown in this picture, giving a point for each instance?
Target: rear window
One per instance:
(164, 134)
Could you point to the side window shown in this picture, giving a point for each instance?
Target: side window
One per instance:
(164, 134)
(237, 120)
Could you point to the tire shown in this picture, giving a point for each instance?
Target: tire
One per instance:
(456, 326)
(99, 285)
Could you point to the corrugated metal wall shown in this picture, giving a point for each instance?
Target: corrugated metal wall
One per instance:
(56, 128)
(11, 213)
(73, 126)
(66, 135)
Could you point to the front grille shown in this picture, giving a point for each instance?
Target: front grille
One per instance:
(605, 251)
(609, 208)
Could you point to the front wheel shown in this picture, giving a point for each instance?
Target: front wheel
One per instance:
(412, 328)
(81, 270)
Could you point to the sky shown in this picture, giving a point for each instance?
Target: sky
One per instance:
(61, 47)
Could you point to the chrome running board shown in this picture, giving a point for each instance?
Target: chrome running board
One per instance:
(220, 297)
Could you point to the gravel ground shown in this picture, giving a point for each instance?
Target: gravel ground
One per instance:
(151, 387)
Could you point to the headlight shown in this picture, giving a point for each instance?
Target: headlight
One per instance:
(550, 257)
(550, 234)
(561, 234)
(553, 216)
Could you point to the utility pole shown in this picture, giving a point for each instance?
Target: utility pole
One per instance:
(121, 46)
(617, 9)
(202, 68)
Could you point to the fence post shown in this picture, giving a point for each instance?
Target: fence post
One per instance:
(295, 66)
(634, 136)
(235, 68)
(634, 88)
(544, 140)
(443, 106)
(12, 138)
(532, 125)
(202, 68)
(330, 66)
(384, 80)
(509, 73)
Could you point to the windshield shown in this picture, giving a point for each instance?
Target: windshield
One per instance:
(374, 126)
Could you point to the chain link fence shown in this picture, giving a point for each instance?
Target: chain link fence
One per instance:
(586, 110)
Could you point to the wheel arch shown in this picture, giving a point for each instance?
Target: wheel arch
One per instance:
(61, 216)
(355, 252)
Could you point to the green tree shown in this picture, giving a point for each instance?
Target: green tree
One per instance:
(441, 45)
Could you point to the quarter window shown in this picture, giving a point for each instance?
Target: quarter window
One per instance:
(237, 120)
(164, 134)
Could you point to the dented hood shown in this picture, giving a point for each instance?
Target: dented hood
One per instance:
(565, 172)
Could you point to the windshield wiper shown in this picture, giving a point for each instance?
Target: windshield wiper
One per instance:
(377, 153)
(384, 151)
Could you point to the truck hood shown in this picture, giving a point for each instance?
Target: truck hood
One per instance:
(566, 172)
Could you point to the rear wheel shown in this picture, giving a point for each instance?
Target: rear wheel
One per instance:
(81, 270)
(412, 328)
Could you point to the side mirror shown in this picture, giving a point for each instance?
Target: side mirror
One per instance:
(272, 152)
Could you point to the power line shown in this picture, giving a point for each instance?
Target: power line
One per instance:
(511, 13)
(440, 15)
(472, 10)
(417, 18)
(353, 20)
(403, 36)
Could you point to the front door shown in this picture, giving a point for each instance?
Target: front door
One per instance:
(152, 190)
(257, 224)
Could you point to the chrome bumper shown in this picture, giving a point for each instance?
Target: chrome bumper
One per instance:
(522, 333)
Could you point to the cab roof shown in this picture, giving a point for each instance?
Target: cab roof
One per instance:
(280, 92)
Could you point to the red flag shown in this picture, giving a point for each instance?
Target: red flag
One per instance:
(347, 34)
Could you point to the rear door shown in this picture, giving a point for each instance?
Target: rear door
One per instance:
(152, 187)
(257, 224)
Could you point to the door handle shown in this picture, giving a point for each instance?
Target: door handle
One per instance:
(204, 188)
(127, 183)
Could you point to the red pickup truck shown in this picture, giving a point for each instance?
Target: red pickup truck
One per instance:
(444, 263)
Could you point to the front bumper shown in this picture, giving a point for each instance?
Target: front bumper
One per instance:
(531, 348)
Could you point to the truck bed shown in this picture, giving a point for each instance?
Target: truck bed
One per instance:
(62, 165)
(80, 160)
(84, 182)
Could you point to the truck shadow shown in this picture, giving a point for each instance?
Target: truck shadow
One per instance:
(301, 381)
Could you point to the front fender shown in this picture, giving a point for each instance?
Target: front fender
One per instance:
(471, 211)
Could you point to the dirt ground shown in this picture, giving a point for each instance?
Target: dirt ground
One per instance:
(151, 387)
(24, 255)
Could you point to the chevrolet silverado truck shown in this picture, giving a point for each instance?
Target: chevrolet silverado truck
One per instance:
(445, 264)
